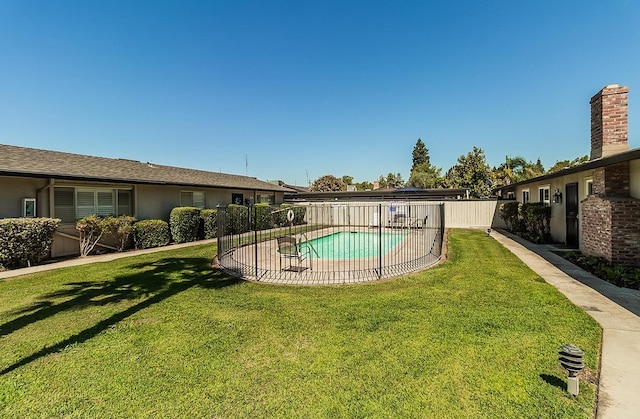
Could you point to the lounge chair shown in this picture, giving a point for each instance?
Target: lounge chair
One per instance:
(290, 248)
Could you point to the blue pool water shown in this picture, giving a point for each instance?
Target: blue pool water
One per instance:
(353, 245)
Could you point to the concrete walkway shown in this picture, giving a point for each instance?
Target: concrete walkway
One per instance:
(616, 309)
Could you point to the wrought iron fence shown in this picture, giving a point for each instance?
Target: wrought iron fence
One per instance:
(327, 243)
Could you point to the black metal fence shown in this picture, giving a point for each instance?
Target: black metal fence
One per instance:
(328, 243)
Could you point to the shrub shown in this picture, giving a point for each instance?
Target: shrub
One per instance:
(537, 219)
(299, 213)
(531, 220)
(91, 229)
(185, 223)
(24, 241)
(209, 222)
(510, 213)
(238, 217)
(151, 233)
(263, 217)
(122, 230)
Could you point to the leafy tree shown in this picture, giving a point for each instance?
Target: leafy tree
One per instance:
(472, 172)
(391, 181)
(425, 176)
(328, 183)
(348, 180)
(565, 164)
(420, 154)
(364, 186)
(516, 169)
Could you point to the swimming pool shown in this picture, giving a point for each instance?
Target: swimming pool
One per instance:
(353, 245)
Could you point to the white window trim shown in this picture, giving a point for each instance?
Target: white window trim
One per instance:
(548, 189)
(588, 182)
(528, 196)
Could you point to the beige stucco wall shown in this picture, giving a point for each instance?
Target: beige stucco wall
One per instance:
(634, 167)
(14, 189)
(558, 210)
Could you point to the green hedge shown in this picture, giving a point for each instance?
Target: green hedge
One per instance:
(151, 233)
(298, 215)
(238, 219)
(184, 223)
(531, 221)
(25, 241)
(209, 223)
(263, 217)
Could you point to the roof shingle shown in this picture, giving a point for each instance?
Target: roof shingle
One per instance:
(32, 162)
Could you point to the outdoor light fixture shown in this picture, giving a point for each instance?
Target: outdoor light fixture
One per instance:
(557, 196)
(572, 359)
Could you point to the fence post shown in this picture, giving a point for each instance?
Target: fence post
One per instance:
(379, 241)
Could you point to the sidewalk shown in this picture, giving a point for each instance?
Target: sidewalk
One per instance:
(616, 309)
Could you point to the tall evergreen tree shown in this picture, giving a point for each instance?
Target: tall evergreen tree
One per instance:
(420, 154)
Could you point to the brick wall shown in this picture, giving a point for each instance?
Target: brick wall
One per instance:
(609, 121)
(613, 180)
(611, 229)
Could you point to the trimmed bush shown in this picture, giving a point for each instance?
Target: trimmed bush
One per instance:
(91, 229)
(238, 218)
(151, 233)
(510, 213)
(210, 223)
(122, 231)
(263, 217)
(184, 223)
(25, 241)
(299, 213)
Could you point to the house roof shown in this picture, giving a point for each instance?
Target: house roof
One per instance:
(624, 156)
(30, 162)
(378, 194)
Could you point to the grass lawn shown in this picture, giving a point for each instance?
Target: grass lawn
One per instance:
(161, 335)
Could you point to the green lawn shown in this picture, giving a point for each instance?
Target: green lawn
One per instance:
(161, 335)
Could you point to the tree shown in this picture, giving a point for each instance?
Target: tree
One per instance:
(327, 183)
(471, 172)
(423, 173)
(364, 186)
(420, 155)
(348, 180)
(565, 164)
(516, 169)
(391, 181)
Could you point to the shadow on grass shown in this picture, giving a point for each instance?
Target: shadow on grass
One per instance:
(554, 381)
(157, 282)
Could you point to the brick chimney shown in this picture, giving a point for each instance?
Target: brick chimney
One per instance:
(609, 121)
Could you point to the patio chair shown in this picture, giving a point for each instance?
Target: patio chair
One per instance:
(290, 248)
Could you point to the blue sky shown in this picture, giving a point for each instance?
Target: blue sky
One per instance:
(300, 89)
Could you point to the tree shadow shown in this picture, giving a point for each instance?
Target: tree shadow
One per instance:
(554, 381)
(152, 282)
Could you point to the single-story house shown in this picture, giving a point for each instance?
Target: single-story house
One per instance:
(595, 206)
(43, 183)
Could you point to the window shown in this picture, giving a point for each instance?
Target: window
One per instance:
(192, 199)
(267, 199)
(71, 204)
(544, 195)
(589, 186)
(525, 196)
